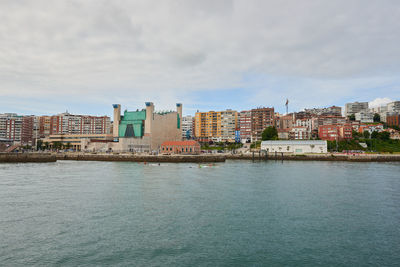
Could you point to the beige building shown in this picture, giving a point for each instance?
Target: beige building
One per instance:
(76, 141)
(141, 130)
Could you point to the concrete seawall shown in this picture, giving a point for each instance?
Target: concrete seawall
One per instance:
(320, 157)
(26, 157)
(142, 158)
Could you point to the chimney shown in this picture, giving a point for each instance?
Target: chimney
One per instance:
(117, 119)
(149, 118)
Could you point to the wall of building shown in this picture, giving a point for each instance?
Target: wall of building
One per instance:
(295, 147)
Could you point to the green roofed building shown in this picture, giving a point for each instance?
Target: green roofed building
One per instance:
(132, 124)
(144, 130)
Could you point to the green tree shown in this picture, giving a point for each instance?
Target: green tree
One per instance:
(377, 117)
(269, 133)
(384, 136)
(374, 135)
(366, 134)
(39, 144)
(352, 117)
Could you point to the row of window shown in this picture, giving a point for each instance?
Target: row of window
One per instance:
(183, 149)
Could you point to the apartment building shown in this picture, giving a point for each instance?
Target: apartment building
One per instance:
(335, 132)
(261, 118)
(353, 108)
(245, 126)
(217, 126)
(364, 116)
(393, 119)
(187, 127)
(66, 123)
(11, 127)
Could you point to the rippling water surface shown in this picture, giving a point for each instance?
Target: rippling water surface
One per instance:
(236, 213)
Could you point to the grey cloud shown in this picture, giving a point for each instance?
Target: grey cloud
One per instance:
(60, 47)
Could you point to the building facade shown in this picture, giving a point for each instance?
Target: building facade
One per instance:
(144, 130)
(295, 146)
(216, 126)
(11, 127)
(187, 127)
(393, 120)
(245, 126)
(66, 123)
(261, 118)
(335, 132)
(189, 147)
(364, 116)
(353, 108)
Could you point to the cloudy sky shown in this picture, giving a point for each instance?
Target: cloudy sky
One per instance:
(83, 56)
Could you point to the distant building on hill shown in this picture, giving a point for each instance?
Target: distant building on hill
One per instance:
(353, 108)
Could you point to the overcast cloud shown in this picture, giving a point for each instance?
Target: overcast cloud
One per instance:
(86, 55)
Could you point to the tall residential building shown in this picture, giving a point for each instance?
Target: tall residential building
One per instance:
(11, 127)
(66, 123)
(393, 119)
(261, 118)
(216, 125)
(187, 127)
(245, 126)
(353, 108)
(393, 106)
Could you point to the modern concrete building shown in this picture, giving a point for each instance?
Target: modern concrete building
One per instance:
(353, 108)
(141, 130)
(295, 146)
(76, 142)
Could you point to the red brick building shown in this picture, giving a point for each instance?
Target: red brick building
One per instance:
(393, 120)
(261, 118)
(180, 147)
(335, 132)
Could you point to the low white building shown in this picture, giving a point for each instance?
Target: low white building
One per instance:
(295, 146)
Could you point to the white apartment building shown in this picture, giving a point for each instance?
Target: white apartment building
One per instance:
(228, 125)
(353, 108)
(299, 133)
(364, 116)
(187, 127)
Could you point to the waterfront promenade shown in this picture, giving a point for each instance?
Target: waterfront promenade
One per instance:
(203, 158)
